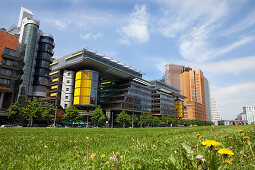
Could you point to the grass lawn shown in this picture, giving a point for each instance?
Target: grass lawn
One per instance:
(145, 148)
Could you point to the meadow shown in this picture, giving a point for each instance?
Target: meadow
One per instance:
(138, 148)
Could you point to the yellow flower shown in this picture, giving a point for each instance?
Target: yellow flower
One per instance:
(86, 137)
(244, 155)
(228, 162)
(70, 141)
(240, 130)
(117, 154)
(102, 156)
(246, 138)
(226, 152)
(93, 155)
(197, 135)
(200, 137)
(230, 137)
(210, 143)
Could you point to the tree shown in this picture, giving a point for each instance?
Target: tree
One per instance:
(123, 118)
(146, 119)
(98, 116)
(72, 114)
(14, 112)
(156, 121)
(32, 110)
(48, 111)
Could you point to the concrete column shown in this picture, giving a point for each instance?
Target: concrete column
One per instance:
(1, 100)
(133, 120)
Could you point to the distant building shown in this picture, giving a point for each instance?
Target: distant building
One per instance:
(215, 114)
(249, 111)
(241, 116)
(172, 75)
(192, 83)
(208, 101)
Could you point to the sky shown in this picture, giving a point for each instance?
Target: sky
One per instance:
(216, 36)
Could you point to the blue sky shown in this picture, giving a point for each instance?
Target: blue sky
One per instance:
(216, 36)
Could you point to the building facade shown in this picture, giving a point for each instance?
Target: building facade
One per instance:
(172, 75)
(215, 113)
(249, 111)
(192, 84)
(208, 100)
(10, 70)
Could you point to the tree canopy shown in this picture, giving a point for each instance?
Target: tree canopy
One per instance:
(14, 112)
(98, 116)
(72, 114)
(32, 110)
(123, 118)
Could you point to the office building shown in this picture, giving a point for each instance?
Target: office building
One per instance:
(172, 75)
(215, 114)
(192, 85)
(164, 100)
(208, 100)
(87, 79)
(36, 51)
(249, 111)
(10, 70)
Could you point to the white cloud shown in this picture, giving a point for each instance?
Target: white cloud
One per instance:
(137, 28)
(231, 99)
(90, 35)
(60, 24)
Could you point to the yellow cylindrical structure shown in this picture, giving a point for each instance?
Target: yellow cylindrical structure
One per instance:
(178, 104)
(86, 88)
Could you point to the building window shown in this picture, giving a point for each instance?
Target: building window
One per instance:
(68, 81)
(66, 97)
(68, 74)
(65, 105)
(67, 89)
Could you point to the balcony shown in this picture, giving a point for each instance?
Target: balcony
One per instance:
(11, 54)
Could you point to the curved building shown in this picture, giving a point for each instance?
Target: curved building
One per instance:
(86, 88)
(67, 89)
(43, 61)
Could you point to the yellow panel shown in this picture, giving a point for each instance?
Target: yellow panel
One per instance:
(54, 80)
(78, 83)
(76, 100)
(78, 75)
(54, 73)
(85, 100)
(77, 91)
(52, 64)
(54, 87)
(53, 94)
(85, 91)
(72, 56)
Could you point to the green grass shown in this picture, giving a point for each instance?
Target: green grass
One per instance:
(145, 148)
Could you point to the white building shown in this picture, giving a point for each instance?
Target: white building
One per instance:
(207, 98)
(215, 114)
(250, 114)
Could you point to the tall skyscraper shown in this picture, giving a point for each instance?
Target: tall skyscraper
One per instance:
(215, 114)
(172, 75)
(250, 114)
(192, 85)
(36, 50)
(208, 101)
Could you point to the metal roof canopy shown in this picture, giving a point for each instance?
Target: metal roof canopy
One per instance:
(103, 69)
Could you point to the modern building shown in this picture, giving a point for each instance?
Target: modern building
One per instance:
(215, 114)
(36, 51)
(10, 70)
(164, 100)
(241, 116)
(192, 84)
(87, 79)
(249, 111)
(172, 75)
(208, 100)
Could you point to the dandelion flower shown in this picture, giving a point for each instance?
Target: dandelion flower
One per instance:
(70, 141)
(230, 137)
(228, 162)
(200, 137)
(93, 155)
(246, 138)
(197, 135)
(86, 137)
(210, 143)
(240, 130)
(226, 152)
(117, 154)
(102, 156)
(244, 155)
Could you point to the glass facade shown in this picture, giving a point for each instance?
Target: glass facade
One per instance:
(86, 88)
(125, 95)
